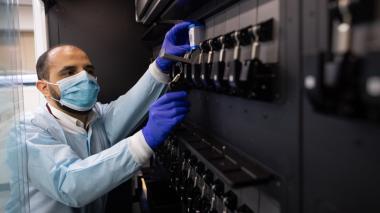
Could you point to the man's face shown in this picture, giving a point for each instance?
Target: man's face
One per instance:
(64, 62)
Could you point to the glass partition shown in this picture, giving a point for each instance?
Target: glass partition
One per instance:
(13, 172)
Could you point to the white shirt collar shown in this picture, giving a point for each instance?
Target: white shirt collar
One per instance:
(70, 123)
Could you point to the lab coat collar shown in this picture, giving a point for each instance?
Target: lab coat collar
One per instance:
(70, 123)
(45, 120)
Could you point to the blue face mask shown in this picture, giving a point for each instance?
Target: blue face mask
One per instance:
(78, 92)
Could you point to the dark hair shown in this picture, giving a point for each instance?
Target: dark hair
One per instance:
(42, 67)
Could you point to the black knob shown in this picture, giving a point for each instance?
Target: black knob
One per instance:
(230, 200)
(206, 69)
(181, 192)
(187, 74)
(196, 207)
(215, 44)
(245, 37)
(192, 199)
(173, 168)
(193, 160)
(196, 193)
(201, 204)
(185, 188)
(205, 46)
(196, 69)
(228, 40)
(200, 168)
(232, 75)
(189, 183)
(173, 158)
(218, 187)
(205, 204)
(186, 154)
(208, 176)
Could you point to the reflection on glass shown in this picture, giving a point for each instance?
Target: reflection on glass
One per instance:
(13, 173)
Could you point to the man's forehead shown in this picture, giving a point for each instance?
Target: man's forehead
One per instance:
(67, 53)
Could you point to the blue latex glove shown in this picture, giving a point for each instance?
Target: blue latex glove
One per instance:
(176, 42)
(164, 115)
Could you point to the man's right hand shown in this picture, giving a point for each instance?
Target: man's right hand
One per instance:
(176, 43)
(164, 115)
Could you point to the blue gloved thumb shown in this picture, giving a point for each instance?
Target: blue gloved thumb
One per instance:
(182, 49)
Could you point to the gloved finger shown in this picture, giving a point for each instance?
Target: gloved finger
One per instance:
(167, 114)
(179, 38)
(170, 97)
(171, 113)
(185, 47)
(179, 34)
(174, 104)
(171, 122)
(172, 48)
(181, 50)
(178, 119)
(168, 123)
(183, 26)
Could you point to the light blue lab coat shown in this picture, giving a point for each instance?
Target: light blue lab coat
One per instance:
(69, 172)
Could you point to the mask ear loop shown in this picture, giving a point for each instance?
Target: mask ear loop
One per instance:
(51, 83)
(51, 97)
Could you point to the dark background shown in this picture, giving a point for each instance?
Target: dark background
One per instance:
(108, 33)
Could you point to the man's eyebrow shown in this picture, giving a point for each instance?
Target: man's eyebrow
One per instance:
(67, 68)
(89, 66)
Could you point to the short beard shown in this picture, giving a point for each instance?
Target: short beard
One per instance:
(55, 95)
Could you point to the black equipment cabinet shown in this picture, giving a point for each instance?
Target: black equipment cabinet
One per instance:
(339, 153)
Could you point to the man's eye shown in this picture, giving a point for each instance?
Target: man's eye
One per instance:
(91, 72)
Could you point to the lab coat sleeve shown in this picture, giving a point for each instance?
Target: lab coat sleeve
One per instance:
(124, 114)
(55, 169)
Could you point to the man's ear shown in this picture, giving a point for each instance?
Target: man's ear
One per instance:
(42, 86)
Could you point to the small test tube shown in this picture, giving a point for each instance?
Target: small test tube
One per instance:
(196, 35)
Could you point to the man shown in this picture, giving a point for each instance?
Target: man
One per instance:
(77, 149)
